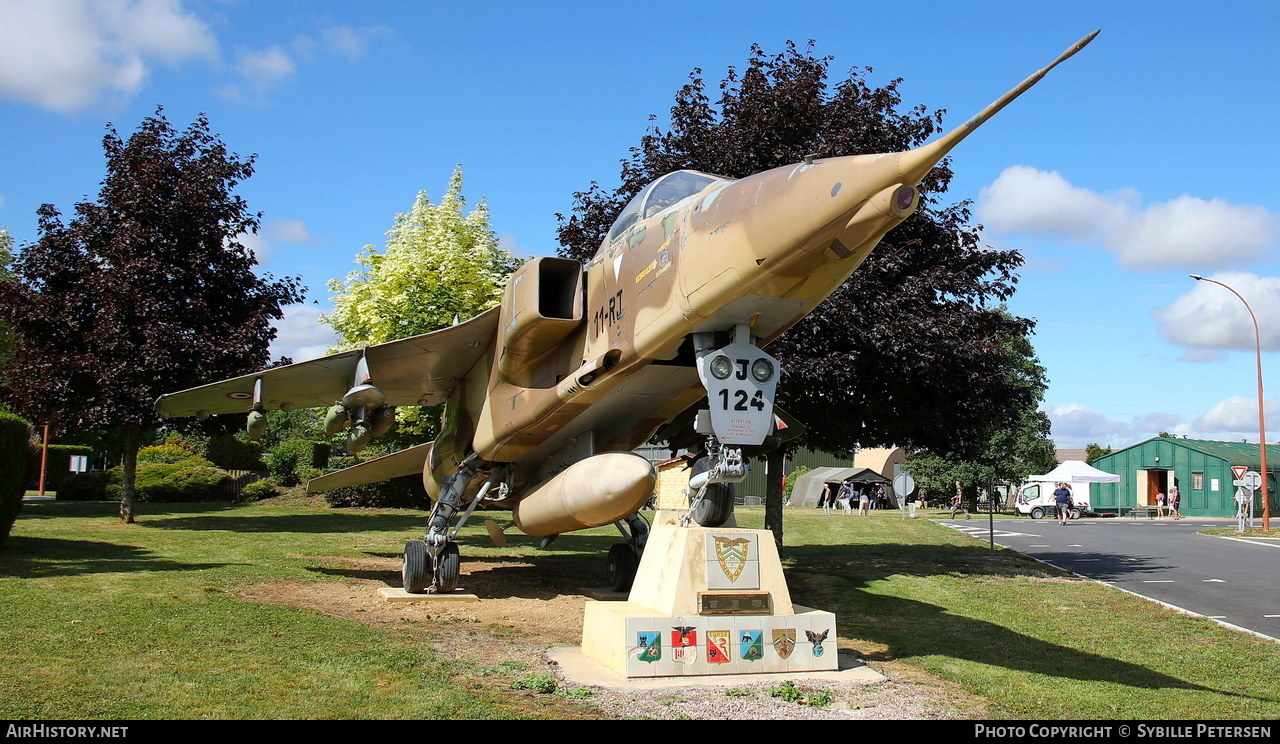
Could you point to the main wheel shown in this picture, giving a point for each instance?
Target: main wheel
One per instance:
(447, 568)
(717, 502)
(620, 567)
(413, 571)
(1074, 514)
(1037, 513)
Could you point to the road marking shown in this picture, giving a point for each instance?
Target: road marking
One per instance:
(1216, 617)
(1073, 545)
(1216, 581)
(973, 530)
(1271, 615)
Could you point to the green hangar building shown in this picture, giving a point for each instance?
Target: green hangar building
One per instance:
(1200, 468)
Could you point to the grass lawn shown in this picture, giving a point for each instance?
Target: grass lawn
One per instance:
(103, 620)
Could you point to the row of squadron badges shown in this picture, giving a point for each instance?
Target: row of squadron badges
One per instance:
(723, 645)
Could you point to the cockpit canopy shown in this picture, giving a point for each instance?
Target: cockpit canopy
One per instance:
(662, 193)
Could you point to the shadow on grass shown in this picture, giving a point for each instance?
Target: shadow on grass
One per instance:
(836, 577)
(327, 522)
(575, 563)
(913, 628)
(39, 557)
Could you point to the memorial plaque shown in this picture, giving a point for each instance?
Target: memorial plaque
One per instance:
(737, 603)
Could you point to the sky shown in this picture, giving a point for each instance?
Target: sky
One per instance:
(1147, 157)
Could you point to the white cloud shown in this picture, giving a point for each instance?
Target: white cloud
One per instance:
(1186, 232)
(349, 42)
(1238, 414)
(257, 245)
(1210, 317)
(274, 232)
(1075, 425)
(66, 55)
(1026, 200)
(265, 68)
(292, 232)
(300, 334)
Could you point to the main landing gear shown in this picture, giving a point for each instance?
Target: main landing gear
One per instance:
(432, 565)
(624, 557)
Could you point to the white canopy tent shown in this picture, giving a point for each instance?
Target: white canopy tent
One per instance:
(1076, 471)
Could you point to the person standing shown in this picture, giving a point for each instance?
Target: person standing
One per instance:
(1175, 500)
(1062, 502)
(1160, 503)
(864, 501)
(845, 499)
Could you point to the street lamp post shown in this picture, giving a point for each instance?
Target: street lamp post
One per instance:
(1262, 421)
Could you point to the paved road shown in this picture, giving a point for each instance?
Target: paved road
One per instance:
(1229, 580)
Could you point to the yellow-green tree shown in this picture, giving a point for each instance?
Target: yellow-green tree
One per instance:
(440, 262)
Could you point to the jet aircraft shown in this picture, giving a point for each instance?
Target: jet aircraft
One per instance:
(547, 394)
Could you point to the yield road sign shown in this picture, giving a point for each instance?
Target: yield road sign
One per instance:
(1238, 470)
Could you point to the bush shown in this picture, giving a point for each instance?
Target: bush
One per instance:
(171, 483)
(296, 459)
(83, 487)
(15, 456)
(259, 490)
(405, 492)
(230, 452)
(170, 454)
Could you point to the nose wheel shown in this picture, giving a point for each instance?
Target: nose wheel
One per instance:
(713, 506)
(424, 573)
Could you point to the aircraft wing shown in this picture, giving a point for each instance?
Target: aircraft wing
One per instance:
(419, 370)
(405, 462)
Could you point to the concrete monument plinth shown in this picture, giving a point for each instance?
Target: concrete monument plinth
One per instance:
(708, 601)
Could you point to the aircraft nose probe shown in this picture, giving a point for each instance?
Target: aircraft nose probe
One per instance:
(917, 163)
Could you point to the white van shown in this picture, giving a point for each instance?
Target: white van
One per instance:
(1036, 499)
(1036, 496)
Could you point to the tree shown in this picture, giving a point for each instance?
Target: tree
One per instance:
(438, 265)
(146, 290)
(1008, 451)
(1093, 451)
(6, 274)
(907, 352)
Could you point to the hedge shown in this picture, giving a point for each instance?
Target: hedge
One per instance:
(15, 458)
(57, 465)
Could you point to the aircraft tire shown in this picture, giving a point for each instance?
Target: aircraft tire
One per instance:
(414, 569)
(717, 504)
(621, 567)
(447, 569)
(1037, 513)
